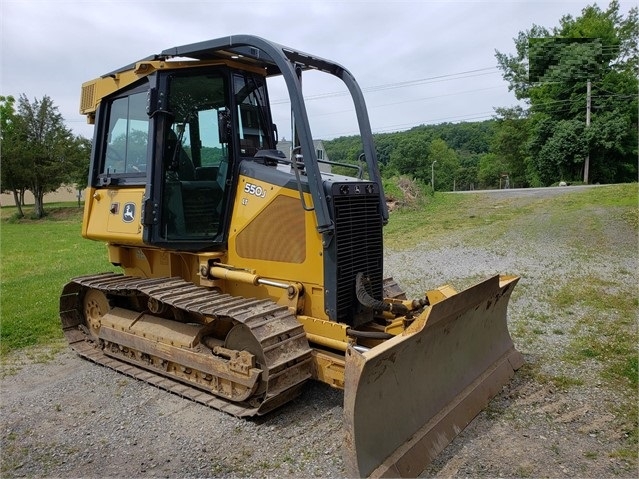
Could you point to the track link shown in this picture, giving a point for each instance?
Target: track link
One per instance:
(285, 350)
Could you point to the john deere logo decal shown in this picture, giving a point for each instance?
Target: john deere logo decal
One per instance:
(128, 213)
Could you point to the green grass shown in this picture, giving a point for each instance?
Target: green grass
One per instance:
(608, 331)
(36, 259)
(446, 213)
(570, 213)
(409, 227)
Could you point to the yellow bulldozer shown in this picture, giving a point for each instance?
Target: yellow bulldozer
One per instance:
(248, 271)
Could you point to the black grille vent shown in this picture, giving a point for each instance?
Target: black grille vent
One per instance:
(358, 246)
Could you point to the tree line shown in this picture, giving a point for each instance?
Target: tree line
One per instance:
(579, 82)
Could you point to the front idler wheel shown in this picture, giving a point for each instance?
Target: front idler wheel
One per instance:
(95, 305)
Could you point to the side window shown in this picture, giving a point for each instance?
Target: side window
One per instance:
(127, 139)
(252, 114)
(213, 152)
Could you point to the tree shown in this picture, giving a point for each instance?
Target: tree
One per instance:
(509, 145)
(470, 137)
(14, 174)
(491, 168)
(551, 70)
(43, 143)
(384, 145)
(447, 166)
(42, 152)
(410, 156)
(562, 147)
(468, 170)
(80, 152)
(345, 149)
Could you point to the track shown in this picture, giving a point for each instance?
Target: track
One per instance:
(284, 349)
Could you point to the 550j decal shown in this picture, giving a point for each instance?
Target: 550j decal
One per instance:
(255, 190)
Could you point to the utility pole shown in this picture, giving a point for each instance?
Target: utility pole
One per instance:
(587, 162)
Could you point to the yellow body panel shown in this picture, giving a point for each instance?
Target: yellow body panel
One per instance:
(150, 262)
(114, 215)
(271, 234)
(328, 368)
(94, 90)
(325, 332)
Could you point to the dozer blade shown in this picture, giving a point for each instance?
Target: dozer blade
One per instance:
(406, 399)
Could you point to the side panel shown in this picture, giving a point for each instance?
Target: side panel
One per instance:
(114, 215)
(272, 234)
(154, 262)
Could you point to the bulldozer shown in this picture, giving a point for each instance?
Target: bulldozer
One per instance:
(247, 271)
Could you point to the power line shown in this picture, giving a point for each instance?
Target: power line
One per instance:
(388, 86)
(570, 103)
(432, 79)
(409, 101)
(436, 96)
(471, 116)
(402, 126)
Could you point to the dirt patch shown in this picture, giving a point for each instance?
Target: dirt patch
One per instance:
(70, 417)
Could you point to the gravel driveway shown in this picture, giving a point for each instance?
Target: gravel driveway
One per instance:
(68, 417)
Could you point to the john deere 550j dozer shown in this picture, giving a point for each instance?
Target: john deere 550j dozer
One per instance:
(247, 273)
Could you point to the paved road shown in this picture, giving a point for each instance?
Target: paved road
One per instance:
(533, 192)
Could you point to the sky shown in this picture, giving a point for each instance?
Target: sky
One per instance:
(418, 62)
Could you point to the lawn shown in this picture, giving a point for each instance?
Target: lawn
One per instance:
(36, 259)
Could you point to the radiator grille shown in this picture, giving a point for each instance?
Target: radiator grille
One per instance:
(359, 246)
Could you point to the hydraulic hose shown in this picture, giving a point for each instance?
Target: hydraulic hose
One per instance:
(363, 293)
(353, 333)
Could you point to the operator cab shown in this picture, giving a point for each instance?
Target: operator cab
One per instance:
(181, 133)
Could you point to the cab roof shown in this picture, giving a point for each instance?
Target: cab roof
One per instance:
(249, 49)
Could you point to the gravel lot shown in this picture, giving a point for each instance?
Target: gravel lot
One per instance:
(68, 417)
